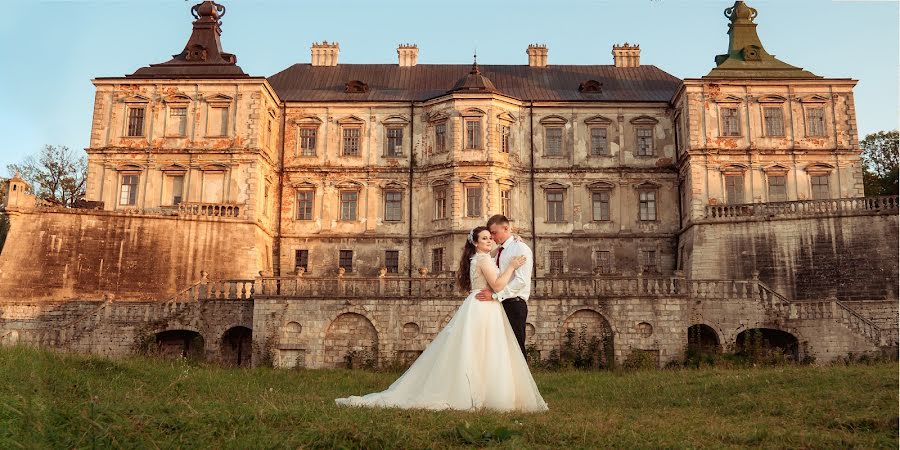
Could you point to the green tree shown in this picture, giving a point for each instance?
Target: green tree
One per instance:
(880, 163)
(57, 174)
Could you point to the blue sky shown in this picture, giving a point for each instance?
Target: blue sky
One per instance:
(52, 49)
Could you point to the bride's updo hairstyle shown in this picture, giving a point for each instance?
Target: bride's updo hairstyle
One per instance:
(463, 281)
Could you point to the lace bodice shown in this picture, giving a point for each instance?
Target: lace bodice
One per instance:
(478, 281)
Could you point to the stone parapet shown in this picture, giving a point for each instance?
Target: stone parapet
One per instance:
(801, 209)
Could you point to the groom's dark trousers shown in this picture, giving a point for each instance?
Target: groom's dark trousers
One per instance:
(517, 311)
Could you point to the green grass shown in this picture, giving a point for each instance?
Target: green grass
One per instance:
(50, 400)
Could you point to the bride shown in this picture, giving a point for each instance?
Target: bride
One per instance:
(475, 361)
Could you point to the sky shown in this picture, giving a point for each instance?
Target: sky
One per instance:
(50, 50)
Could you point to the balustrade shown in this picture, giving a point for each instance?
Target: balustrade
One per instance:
(802, 208)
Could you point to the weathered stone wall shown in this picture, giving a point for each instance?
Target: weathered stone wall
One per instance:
(120, 328)
(802, 258)
(56, 254)
(883, 313)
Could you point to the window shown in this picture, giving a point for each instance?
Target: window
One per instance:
(556, 261)
(348, 205)
(135, 121)
(393, 209)
(599, 144)
(553, 141)
(774, 118)
(440, 203)
(734, 189)
(345, 260)
(217, 123)
(305, 205)
(440, 138)
(392, 260)
(177, 189)
(437, 260)
(504, 138)
(308, 141)
(820, 187)
(177, 125)
(128, 195)
(555, 206)
(504, 202)
(269, 134)
(777, 188)
(600, 205)
(473, 201)
(645, 142)
(731, 125)
(267, 194)
(648, 261)
(603, 261)
(815, 122)
(647, 205)
(350, 142)
(394, 142)
(301, 260)
(473, 134)
(213, 188)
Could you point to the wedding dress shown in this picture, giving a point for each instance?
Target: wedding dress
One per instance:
(473, 363)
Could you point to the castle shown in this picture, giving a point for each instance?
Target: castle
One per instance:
(320, 212)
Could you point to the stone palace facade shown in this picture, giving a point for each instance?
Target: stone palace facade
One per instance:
(322, 210)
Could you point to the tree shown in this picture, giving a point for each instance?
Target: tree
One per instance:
(880, 163)
(56, 174)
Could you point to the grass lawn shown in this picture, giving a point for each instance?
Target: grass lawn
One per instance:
(51, 400)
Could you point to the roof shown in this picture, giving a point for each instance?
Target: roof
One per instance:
(390, 82)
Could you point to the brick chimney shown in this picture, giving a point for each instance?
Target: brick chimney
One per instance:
(627, 55)
(537, 55)
(325, 54)
(408, 55)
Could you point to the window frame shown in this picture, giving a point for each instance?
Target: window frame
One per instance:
(440, 137)
(399, 205)
(648, 259)
(601, 192)
(437, 260)
(810, 131)
(827, 185)
(768, 125)
(649, 139)
(479, 197)
(560, 210)
(440, 208)
(355, 212)
(547, 147)
(133, 188)
(769, 185)
(556, 261)
(728, 122)
(226, 118)
(304, 148)
(182, 120)
(388, 129)
(349, 129)
(129, 108)
(505, 131)
(605, 130)
(599, 262)
(476, 136)
(341, 260)
(740, 187)
(652, 214)
(298, 252)
(299, 207)
(506, 201)
(392, 261)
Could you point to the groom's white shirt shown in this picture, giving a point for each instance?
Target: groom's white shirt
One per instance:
(520, 284)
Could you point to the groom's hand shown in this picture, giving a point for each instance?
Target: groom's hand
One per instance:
(484, 295)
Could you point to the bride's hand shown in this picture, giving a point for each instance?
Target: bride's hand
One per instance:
(518, 261)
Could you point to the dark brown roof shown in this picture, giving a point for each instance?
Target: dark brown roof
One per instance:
(390, 82)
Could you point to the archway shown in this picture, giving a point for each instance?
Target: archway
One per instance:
(351, 341)
(587, 340)
(180, 344)
(762, 342)
(236, 347)
(703, 339)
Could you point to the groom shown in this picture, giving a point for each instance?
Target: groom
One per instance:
(515, 295)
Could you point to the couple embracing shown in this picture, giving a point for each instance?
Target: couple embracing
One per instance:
(478, 360)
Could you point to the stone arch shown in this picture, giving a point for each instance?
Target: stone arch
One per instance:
(587, 326)
(236, 346)
(752, 341)
(703, 338)
(180, 343)
(348, 332)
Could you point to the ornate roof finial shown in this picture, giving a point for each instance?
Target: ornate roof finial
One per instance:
(740, 13)
(475, 69)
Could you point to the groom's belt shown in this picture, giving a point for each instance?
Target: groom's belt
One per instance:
(514, 299)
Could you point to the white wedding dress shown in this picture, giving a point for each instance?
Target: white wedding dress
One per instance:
(473, 363)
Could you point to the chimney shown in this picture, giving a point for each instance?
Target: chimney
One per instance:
(408, 54)
(325, 54)
(537, 55)
(627, 55)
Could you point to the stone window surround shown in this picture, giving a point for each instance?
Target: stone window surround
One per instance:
(819, 169)
(505, 119)
(730, 102)
(808, 103)
(307, 122)
(352, 122)
(731, 170)
(304, 187)
(648, 187)
(598, 187)
(478, 116)
(127, 171)
(177, 101)
(393, 123)
(556, 188)
(772, 101)
(134, 102)
(548, 259)
(440, 185)
(385, 190)
(595, 259)
(434, 121)
(172, 171)
(642, 249)
(220, 101)
(644, 122)
(509, 185)
(346, 187)
(554, 122)
(595, 122)
(777, 170)
(473, 183)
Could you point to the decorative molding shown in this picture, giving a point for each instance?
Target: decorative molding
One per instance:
(598, 120)
(643, 120)
(553, 120)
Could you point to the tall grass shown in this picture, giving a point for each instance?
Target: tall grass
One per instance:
(51, 400)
